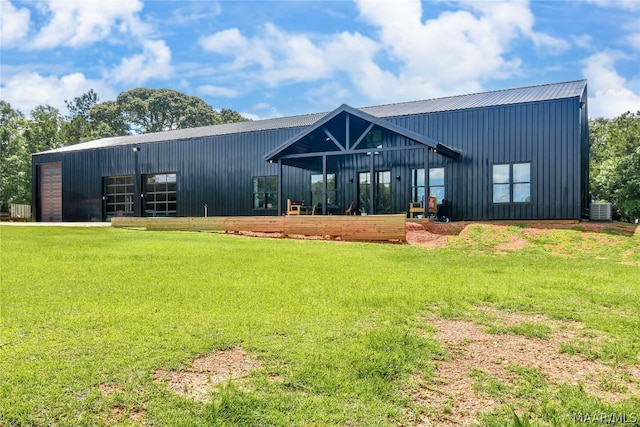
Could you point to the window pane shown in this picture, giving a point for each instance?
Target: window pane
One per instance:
(258, 184)
(331, 197)
(438, 192)
(521, 172)
(271, 184)
(436, 176)
(521, 193)
(501, 193)
(271, 199)
(258, 200)
(500, 174)
(331, 181)
(417, 177)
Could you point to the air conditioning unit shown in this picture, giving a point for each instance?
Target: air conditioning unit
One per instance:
(600, 211)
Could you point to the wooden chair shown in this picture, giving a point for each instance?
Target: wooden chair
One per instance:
(295, 207)
(416, 208)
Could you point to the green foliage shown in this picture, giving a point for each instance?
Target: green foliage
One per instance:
(615, 163)
(154, 110)
(15, 163)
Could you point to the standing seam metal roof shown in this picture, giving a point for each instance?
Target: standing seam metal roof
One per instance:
(522, 95)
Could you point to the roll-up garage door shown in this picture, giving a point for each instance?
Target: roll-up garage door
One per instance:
(50, 186)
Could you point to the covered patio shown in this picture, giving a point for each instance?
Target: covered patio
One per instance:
(356, 163)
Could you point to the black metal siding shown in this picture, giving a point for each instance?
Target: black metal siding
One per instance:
(218, 170)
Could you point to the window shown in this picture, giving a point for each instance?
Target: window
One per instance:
(265, 192)
(119, 195)
(512, 183)
(316, 189)
(417, 185)
(160, 194)
(436, 184)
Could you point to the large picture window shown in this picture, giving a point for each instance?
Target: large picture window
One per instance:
(160, 194)
(265, 192)
(436, 184)
(512, 183)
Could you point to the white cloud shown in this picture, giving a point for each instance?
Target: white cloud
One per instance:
(458, 50)
(610, 94)
(25, 91)
(154, 62)
(633, 40)
(407, 58)
(280, 56)
(14, 24)
(621, 4)
(218, 91)
(80, 23)
(583, 41)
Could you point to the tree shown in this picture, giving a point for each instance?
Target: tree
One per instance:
(15, 162)
(154, 110)
(615, 163)
(229, 116)
(78, 126)
(42, 130)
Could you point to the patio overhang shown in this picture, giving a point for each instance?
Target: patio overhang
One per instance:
(347, 130)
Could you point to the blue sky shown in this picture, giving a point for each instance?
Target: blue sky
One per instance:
(279, 58)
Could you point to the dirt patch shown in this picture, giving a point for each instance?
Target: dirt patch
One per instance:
(110, 389)
(206, 371)
(119, 414)
(454, 400)
(418, 235)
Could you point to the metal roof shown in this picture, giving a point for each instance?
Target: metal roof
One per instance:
(544, 92)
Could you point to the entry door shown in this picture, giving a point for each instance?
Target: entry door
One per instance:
(50, 186)
(382, 192)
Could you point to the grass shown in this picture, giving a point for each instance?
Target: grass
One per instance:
(339, 323)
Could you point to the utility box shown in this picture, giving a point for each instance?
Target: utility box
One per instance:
(600, 211)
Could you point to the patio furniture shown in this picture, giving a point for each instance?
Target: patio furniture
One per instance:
(415, 208)
(298, 207)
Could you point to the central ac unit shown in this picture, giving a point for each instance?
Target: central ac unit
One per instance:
(600, 211)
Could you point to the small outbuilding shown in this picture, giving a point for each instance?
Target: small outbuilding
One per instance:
(516, 154)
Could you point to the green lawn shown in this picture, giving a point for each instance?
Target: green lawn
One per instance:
(341, 325)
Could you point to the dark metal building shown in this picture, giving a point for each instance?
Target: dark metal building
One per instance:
(511, 154)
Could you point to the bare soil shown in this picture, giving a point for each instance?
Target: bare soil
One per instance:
(454, 400)
(431, 234)
(204, 372)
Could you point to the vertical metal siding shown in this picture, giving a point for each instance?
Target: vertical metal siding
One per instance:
(218, 170)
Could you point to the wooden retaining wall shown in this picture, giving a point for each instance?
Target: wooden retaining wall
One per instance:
(362, 228)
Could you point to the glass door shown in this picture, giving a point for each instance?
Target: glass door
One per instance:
(382, 192)
(364, 192)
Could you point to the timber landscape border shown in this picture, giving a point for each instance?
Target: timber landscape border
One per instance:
(352, 228)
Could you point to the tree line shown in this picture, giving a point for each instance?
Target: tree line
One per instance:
(614, 159)
(135, 111)
(615, 163)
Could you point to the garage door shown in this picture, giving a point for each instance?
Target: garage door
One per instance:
(50, 186)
